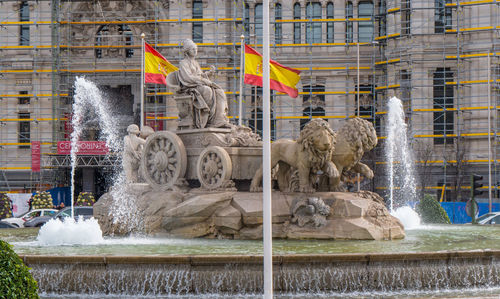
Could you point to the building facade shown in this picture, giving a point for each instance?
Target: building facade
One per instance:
(441, 58)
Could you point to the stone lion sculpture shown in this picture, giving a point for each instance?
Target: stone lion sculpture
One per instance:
(355, 138)
(310, 154)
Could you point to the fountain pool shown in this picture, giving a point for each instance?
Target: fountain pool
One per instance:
(422, 239)
(432, 261)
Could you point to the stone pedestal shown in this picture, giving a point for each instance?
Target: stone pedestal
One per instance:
(238, 215)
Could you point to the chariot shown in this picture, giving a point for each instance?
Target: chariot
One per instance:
(219, 158)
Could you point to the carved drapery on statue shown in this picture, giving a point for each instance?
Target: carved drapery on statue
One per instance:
(201, 102)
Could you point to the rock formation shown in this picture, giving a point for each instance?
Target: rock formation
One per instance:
(238, 215)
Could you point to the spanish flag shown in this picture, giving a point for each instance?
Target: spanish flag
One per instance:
(156, 67)
(282, 78)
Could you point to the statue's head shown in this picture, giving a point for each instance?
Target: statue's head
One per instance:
(133, 128)
(189, 46)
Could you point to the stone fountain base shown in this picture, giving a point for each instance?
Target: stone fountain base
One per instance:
(238, 215)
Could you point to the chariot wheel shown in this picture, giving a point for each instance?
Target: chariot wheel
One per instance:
(214, 167)
(164, 159)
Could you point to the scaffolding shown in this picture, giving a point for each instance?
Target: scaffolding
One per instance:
(440, 57)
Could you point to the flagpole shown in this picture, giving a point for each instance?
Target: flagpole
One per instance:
(142, 79)
(357, 92)
(242, 73)
(489, 135)
(266, 151)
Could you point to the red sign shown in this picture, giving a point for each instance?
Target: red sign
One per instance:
(68, 128)
(84, 148)
(35, 156)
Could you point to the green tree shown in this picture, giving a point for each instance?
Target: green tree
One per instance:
(431, 211)
(15, 279)
(5, 206)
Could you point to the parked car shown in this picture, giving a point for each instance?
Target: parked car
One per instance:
(85, 212)
(6, 225)
(19, 221)
(489, 218)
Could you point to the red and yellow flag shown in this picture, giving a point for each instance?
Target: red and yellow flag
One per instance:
(156, 67)
(282, 78)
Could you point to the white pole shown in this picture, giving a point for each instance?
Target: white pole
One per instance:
(142, 79)
(242, 73)
(357, 91)
(266, 151)
(489, 136)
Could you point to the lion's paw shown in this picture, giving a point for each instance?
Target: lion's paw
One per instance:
(255, 189)
(368, 173)
(307, 189)
(331, 170)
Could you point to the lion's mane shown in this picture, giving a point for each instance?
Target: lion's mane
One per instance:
(360, 134)
(306, 141)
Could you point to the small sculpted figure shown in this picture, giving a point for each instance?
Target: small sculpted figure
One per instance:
(310, 154)
(132, 153)
(355, 138)
(209, 103)
(312, 211)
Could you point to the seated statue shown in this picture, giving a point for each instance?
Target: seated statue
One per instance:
(208, 107)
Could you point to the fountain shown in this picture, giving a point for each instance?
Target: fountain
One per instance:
(400, 171)
(226, 262)
(88, 106)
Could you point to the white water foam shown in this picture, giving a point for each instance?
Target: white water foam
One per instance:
(407, 216)
(70, 232)
(401, 175)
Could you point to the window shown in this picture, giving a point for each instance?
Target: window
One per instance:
(112, 35)
(129, 40)
(296, 25)
(197, 26)
(365, 28)
(405, 17)
(23, 100)
(442, 16)
(443, 99)
(366, 107)
(24, 30)
(256, 117)
(349, 25)
(65, 213)
(312, 104)
(84, 211)
(405, 85)
(495, 220)
(278, 34)
(49, 213)
(258, 23)
(247, 23)
(382, 25)
(24, 130)
(329, 25)
(313, 29)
